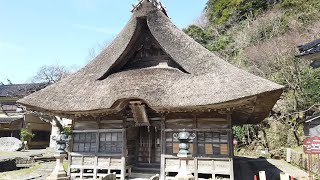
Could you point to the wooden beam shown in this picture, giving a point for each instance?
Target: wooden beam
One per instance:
(200, 130)
(77, 154)
(97, 130)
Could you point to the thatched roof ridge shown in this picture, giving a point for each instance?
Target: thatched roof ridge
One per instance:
(209, 81)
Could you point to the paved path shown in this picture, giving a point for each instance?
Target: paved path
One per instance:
(245, 168)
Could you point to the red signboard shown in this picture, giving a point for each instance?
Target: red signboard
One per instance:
(311, 145)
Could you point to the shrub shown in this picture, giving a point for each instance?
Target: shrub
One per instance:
(67, 130)
(238, 132)
(198, 34)
(220, 43)
(25, 135)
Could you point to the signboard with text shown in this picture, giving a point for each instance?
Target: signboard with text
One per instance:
(311, 145)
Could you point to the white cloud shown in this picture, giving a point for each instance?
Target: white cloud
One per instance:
(97, 29)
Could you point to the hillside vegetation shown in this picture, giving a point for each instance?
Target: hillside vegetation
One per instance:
(262, 37)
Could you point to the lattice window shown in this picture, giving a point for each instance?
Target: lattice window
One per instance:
(84, 142)
(212, 143)
(110, 143)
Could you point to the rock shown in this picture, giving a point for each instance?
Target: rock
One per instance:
(10, 144)
(110, 177)
(7, 165)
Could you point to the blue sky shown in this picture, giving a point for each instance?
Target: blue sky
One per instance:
(34, 33)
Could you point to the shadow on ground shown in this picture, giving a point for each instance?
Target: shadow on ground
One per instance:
(245, 168)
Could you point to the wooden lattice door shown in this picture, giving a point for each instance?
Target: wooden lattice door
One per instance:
(149, 145)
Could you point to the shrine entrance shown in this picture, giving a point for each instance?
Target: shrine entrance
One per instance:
(148, 150)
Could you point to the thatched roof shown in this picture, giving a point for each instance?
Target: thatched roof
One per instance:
(197, 79)
(9, 119)
(20, 90)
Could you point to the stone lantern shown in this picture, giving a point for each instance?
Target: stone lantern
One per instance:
(184, 155)
(61, 140)
(59, 173)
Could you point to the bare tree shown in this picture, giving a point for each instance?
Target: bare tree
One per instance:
(51, 74)
(202, 21)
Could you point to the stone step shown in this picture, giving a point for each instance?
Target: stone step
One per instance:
(148, 165)
(141, 176)
(146, 170)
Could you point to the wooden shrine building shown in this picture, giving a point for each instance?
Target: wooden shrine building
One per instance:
(152, 81)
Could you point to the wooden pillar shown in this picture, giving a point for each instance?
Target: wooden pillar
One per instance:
(95, 170)
(81, 170)
(70, 147)
(163, 148)
(230, 142)
(318, 164)
(195, 148)
(124, 149)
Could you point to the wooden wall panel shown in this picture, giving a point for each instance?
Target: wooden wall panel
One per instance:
(85, 125)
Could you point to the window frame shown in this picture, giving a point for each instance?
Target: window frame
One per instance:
(119, 132)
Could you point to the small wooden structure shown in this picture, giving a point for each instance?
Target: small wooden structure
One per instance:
(13, 118)
(153, 81)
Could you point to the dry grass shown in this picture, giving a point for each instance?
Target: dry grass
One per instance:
(19, 173)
